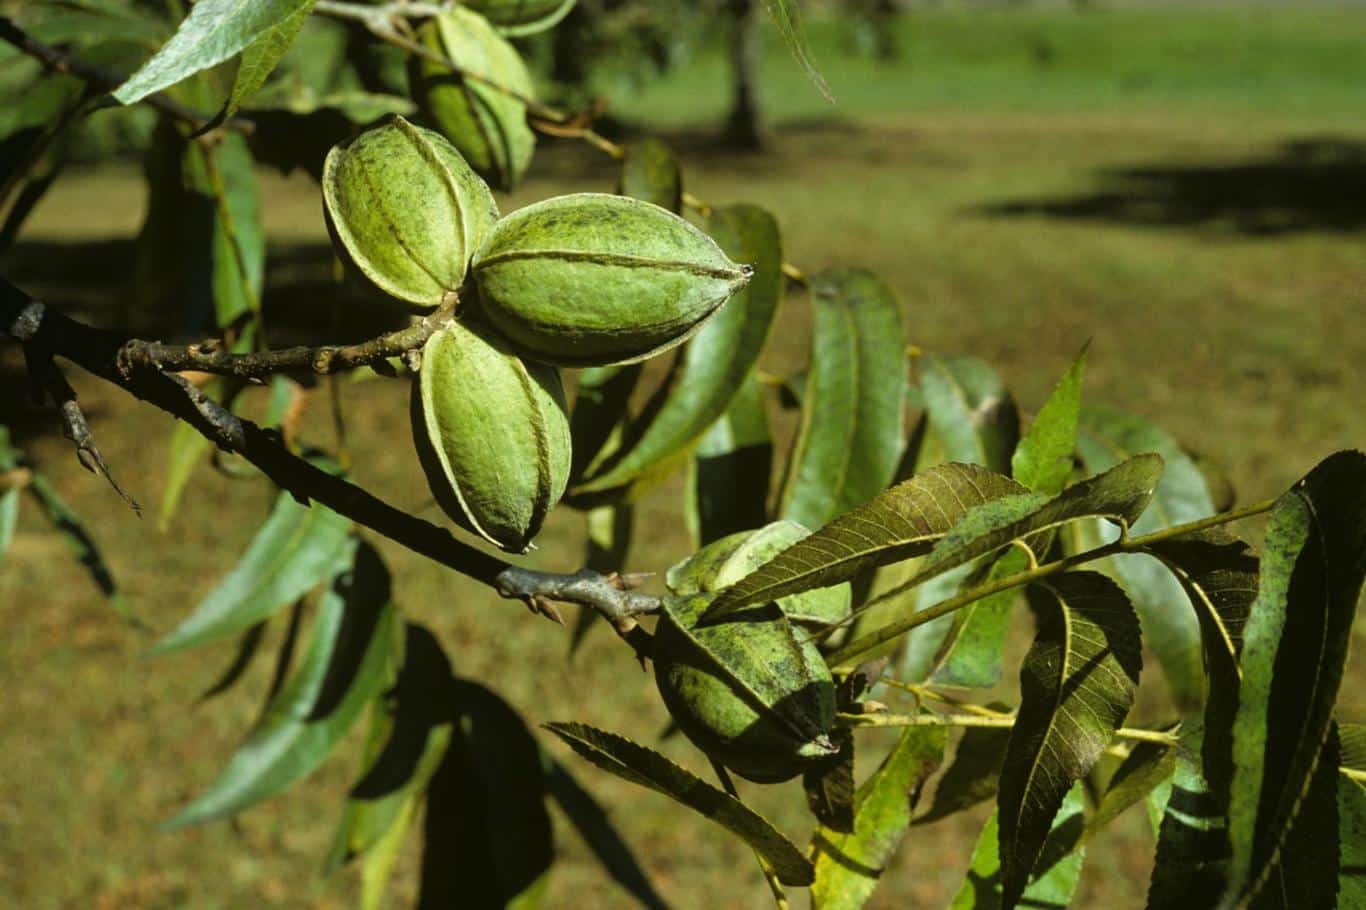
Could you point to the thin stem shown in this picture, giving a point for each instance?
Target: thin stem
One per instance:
(850, 653)
(978, 720)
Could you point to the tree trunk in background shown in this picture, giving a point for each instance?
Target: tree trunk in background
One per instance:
(744, 126)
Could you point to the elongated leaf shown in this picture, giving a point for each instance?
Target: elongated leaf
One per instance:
(848, 866)
(593, 825)
(1352, 739)
(409, 735)
(972, 653)
(188, 447)
(970, 411)
(1043, 459)
(214, 31)
(1219, 576)
(974, 774)
(224, 176)
(78, 541)
(1077, 685)
(789, 21)
(716, 362)
(648, 768)
(1192, 843)
(1147, 767)
(341, 672)
(729, 481)
(853, 415)
(488, 841)
(9, 517)
(296, 549)
(599, 406)
(1294, 651)
(1055, 883)
(1108, 437)
(1308, 873)
(262, 56)
(1351, 843)
(651, 172)
(899, 523)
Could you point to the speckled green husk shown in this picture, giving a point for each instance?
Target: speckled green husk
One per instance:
(591, 279)
(406, 210)
(516, 18)
(488, 126)
(750, 691)
(492, 433)
(722, 563)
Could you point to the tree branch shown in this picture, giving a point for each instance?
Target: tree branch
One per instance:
(137, 356)
(46, 332)
(60, 62)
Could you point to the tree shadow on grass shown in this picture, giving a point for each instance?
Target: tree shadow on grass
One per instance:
(1308, 185)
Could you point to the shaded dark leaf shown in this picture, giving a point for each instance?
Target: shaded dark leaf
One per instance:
(729, 481)
(1058, 872)
(650, 172)
(829, 788)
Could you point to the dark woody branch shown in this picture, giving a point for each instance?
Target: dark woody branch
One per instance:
(46, 333)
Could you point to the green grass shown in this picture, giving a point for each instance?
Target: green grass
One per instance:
(1225, 302)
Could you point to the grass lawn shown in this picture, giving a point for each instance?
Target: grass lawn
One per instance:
(1185, 189)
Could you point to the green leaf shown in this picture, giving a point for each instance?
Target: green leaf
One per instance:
(226, 176)
(593, 825)
(1043, 459)
(729, 481)
(1076, 687)
(1108, 437)
(971, 654)
(261, 57)
(650, 172)
(849, 865)
(214, 31)
(343, 669)
(1219, 576)
(1057, 879)
(853, 416)
(716, 362)
(974, 774)
(9, 517)
(78, 541)
(648, 768)
(296, 549)
(1294, 651)
(1352, 738)
(596, 421)
(787, 18)
(1351, 843)
(970, 411)
(410, 732)
(188, 447)
(1144, 769)
(488, 840)
(1192, 842)
(899, 523)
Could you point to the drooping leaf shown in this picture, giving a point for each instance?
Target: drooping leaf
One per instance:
(848, 865)
(972, 653)
(261, 57)
(853, 419)
(489, 841)
(342, 670)
(213, 31)
(1219, 576)
(1043, 459)
(900, 523)
(1107, 437)
(1056, 879)
(974, 774)
(718, 359)
(596, 421)
(970, 411)
(78, 541)
(1119, 494)
(410, 731)
(648, 768)
(787, 18)
(188, 447)
(592, 823)
(1144, 769)
(1076, 687)
(247, 647)
(1294, 652)
(1192, 842)
(224, 176)
(296, 549)
(729, 481)
(651, 172)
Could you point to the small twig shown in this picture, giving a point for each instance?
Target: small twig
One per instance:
(77, 430)
(610, 595)
(104, 79)
(214, 357)
(978, 720)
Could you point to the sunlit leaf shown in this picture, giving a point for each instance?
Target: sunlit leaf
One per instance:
(261, 57)
(296, 549)
(848, 865)
(970, 411)
(342, 670)
(715, 363)
(1294, 652)
(213, 31)
(648, 768)
(1043, 459)
(972, 652)
(899, 523)
(853, 419)
(1076, 687)
(1056, 879)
